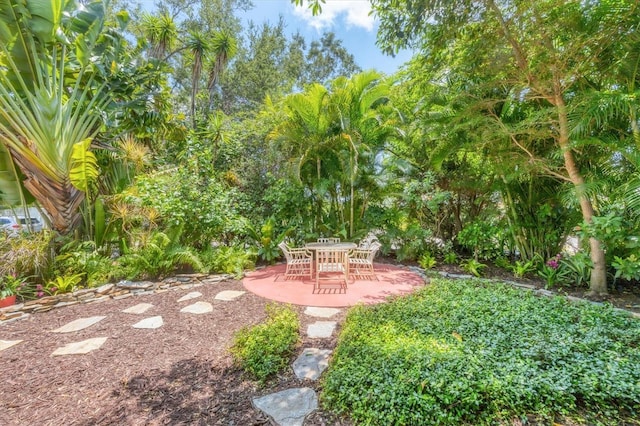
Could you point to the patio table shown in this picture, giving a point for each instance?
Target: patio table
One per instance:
(335, 246)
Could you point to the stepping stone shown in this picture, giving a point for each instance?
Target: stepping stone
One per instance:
(189, 296)
(151, 322)
(6, 344)
(140, 308)
(82, 347)
(321, 329)
(289, 407)
(198, 308)
(311, 363)
(79, 324)
(321, 312)
(229, 295)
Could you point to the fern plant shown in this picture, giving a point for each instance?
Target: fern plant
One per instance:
(158, 256)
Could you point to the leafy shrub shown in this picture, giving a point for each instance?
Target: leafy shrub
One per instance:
(473, 267)
(268, 239)
(228, 260)
(156, 256)
(468, 352)
(579, 266)
(83, 259)
(523, 267)
(205, 208)
(451, 258)
(408, 241)
(628, 268)
(265, 349)
(427, 261)
(483, 239)
(26, 254)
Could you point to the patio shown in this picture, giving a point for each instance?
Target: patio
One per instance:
(270, 283)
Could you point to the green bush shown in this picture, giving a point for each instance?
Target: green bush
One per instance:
(469, 352)
(265, 349)
(228, 260)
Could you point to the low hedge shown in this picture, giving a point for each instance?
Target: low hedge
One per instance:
(264, 349)
(471, 352)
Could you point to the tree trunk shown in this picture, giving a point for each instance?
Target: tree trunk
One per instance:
(598, 284)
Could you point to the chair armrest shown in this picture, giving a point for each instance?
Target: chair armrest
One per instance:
(300, 253)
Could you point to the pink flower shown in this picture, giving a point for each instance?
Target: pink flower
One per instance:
(40, 293)
(553, 263)
(39, 287)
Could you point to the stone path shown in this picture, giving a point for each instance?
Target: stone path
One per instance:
(290, 407)
(287, 408)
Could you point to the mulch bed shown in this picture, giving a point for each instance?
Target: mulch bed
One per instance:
(178, 374)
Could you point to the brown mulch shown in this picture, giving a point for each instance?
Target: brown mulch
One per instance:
(178, 374)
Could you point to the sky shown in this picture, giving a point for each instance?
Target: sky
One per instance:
(350, 20)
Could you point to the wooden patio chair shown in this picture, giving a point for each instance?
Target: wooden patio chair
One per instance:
(332, 269)
(329, 240)
(361, 261)
(299, 261)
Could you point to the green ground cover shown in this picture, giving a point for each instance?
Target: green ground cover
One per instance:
(481, 353)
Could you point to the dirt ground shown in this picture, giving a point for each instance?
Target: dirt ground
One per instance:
(178, 374)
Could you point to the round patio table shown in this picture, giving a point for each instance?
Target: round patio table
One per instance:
(338, 246)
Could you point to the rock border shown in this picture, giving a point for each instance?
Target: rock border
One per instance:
(110, 291)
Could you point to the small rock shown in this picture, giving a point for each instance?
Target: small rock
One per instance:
(104, 289)
(229, 295)
(189, 296)
(151, 323)
(311, 363)
(6, 344)
(130, 285)
(82, 347)
(198, 308)
(140, 308)
(321, 312)
(79, 324)
(321, 329)
(288, 407)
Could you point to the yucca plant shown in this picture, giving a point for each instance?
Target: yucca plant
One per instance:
(51, 100)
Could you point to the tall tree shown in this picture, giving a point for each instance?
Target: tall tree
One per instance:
(198, 47)
(543, 49)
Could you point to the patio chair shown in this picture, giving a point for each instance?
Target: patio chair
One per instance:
(299, 261)
(329, 240)
(361, 261)
(332, 269)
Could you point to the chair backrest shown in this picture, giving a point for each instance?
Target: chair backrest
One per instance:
(368, 242)
(285, 249)
(329, 240)
(331, 260)
(373, 250)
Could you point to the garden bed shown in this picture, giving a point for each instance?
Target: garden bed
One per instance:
(181, 373)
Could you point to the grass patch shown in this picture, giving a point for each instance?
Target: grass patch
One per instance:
(264, 349)
(468, 352)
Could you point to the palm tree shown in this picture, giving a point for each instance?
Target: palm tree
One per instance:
(198, 46)
(362, 127)
(223, 48)
(161, 32)
(47, 123)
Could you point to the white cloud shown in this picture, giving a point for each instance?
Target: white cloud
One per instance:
(355, 12)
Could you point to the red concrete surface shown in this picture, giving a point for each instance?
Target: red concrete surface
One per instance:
(270, 283)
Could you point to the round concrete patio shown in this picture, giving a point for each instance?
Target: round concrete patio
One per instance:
(270, 283)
